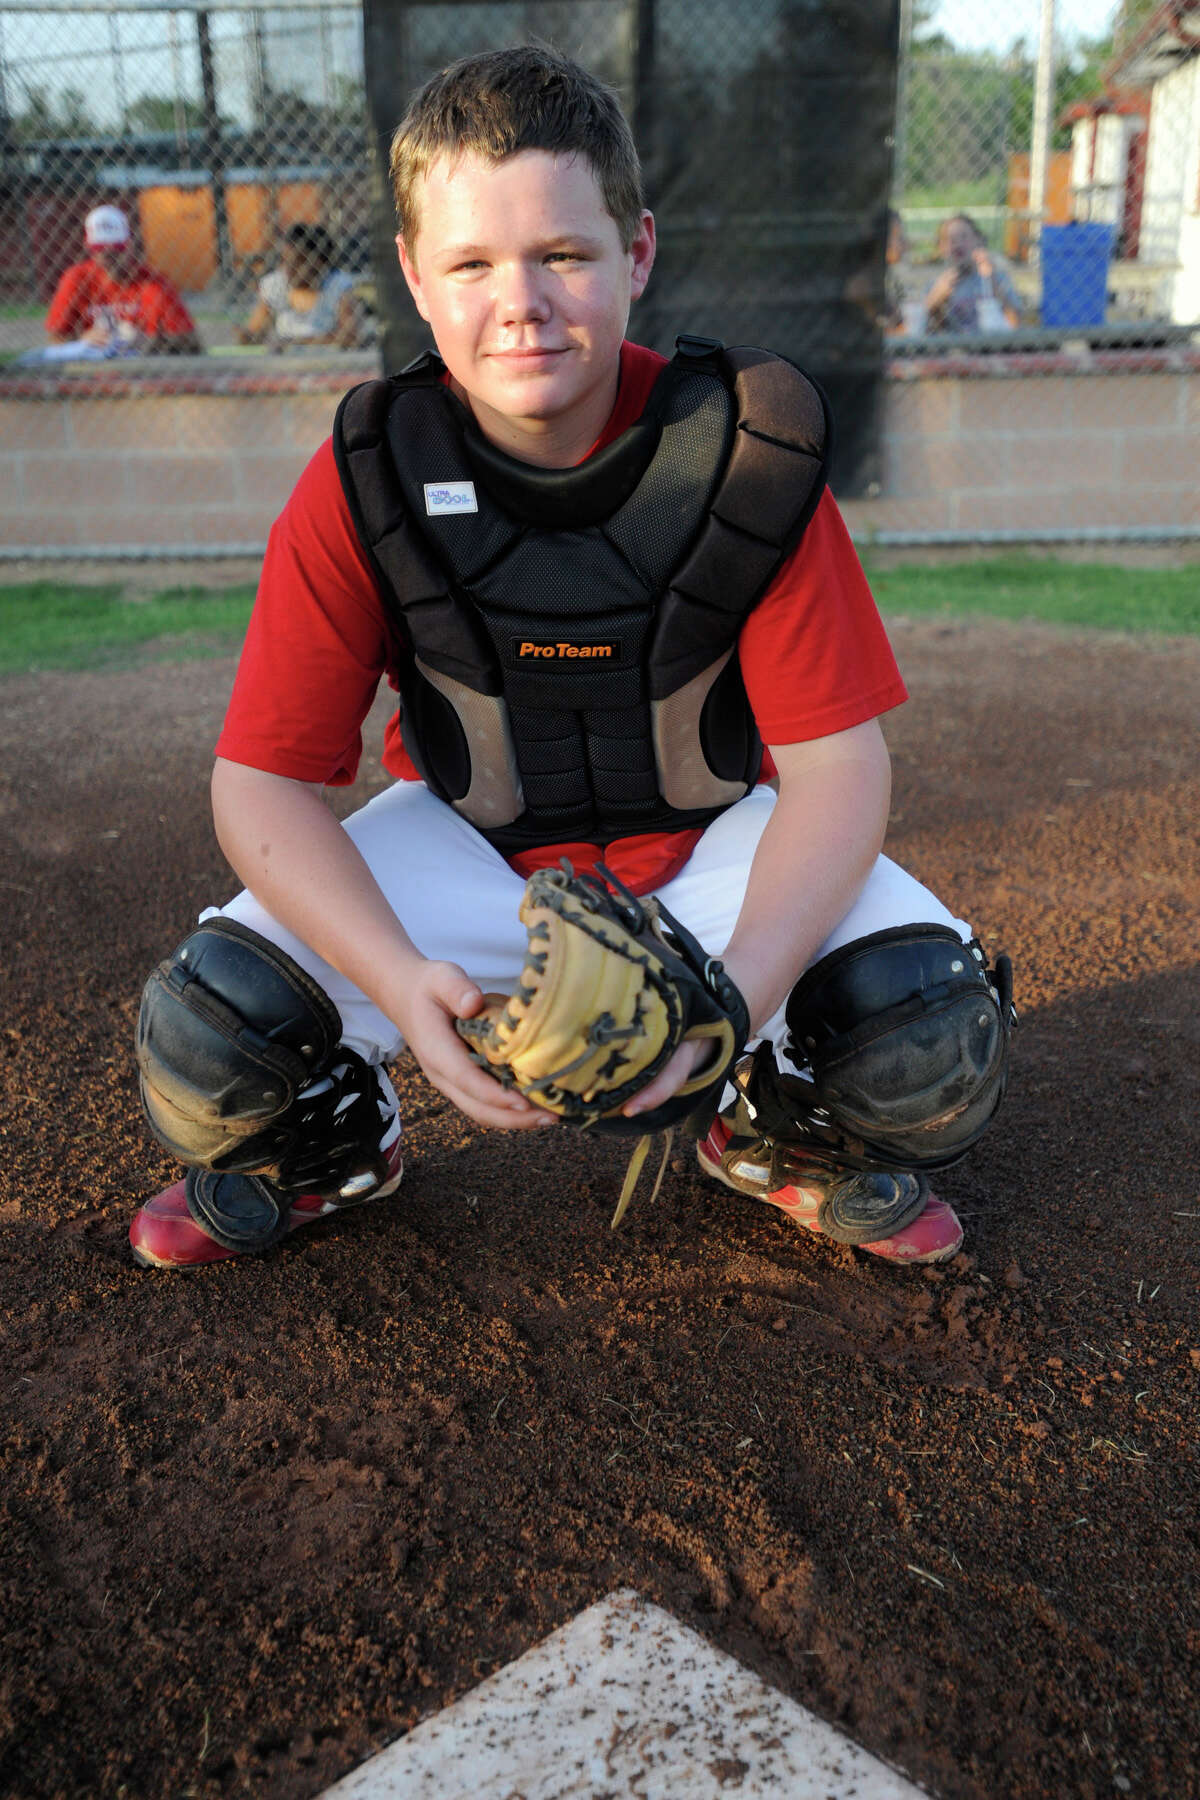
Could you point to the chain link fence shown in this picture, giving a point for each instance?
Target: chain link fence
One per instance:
(215, 133)
(1059, 145)
(1045, 179)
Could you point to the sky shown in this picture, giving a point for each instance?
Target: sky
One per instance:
(994, 24)
(57, 51)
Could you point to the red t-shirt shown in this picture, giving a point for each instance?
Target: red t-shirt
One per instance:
(814, 655)
(146, 299)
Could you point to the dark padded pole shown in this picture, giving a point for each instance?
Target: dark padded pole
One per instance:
(389, 82)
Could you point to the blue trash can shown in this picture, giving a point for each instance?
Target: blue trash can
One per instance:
(1075, 262)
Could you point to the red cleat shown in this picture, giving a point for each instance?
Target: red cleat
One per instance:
(164, 1234)
(932, 1236)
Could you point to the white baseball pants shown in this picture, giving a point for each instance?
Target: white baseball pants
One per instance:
(457, 898)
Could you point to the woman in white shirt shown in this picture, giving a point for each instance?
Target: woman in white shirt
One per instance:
(974, 293)
(308, 300)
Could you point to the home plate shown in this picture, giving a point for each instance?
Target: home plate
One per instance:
(623, 1701)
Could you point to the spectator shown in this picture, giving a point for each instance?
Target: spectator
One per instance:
(974, 292)
(904, 309)
(114, 304)
(308, 300)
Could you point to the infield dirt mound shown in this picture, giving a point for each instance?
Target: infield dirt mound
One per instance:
(256, 1522)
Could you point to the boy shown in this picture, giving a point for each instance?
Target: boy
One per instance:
(308, 299)
(114, 304)
(599, 582)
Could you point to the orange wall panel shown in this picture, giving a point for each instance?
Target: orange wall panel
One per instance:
(1058, 199)
(180, 235)
(246, 210)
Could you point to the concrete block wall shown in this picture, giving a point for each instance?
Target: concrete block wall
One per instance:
(208, 456)
(1037, 442)
(202, 457)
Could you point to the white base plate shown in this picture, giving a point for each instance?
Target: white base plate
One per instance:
(624, 1701)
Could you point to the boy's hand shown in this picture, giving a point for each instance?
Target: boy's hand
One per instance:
(669, 1080)
(612, 988)
(441, 993)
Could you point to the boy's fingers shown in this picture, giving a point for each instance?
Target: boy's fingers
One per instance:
(664, 1084)
(477, 1093)
(496, 1108)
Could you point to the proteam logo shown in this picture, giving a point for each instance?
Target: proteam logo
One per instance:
(450, 497)
(545, 650)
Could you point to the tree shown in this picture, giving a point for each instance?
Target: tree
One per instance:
(44, 119)
(959, 125)
(74, 118)
(349, 103)
(299, 128)
(967, 111)
(37, 120)
(924, 37)
(1131, 16)
(157, 115)
(1078, 75)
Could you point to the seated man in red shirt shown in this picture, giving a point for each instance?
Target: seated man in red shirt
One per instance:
(625, 620)
(114, 304)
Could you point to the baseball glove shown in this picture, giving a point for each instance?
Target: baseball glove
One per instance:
(611, 987)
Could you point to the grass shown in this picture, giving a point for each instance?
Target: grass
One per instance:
(1096, 595)
(973, 197)
(52, 625)
(957, 196)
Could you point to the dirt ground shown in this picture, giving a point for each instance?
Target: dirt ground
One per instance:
(259, 1521)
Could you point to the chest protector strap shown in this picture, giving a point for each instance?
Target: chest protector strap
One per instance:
(569, 668)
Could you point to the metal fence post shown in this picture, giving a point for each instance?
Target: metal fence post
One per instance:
(212, 146)
(1043, 100)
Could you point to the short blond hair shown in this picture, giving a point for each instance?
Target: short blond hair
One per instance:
(504, 101)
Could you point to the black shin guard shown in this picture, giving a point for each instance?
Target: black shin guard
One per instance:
(231, 1031)
(243, 1078)
(904, 1038)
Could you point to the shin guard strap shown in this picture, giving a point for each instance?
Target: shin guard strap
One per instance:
(871, 1204)
(241, 1212)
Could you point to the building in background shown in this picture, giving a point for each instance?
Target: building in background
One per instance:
(1108, 163)
(1162, 59)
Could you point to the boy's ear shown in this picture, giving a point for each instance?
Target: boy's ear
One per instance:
(642, 251)
(412, 277)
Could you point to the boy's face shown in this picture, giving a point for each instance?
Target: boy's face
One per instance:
(961, 244)
(117, 260)
(518, 269)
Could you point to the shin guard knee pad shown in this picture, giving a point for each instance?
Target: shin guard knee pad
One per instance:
(231, 1030)
(905, 1036)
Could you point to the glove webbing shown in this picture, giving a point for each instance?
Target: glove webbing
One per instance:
(700, 1078)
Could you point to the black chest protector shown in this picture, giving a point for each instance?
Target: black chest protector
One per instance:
(570, 634)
